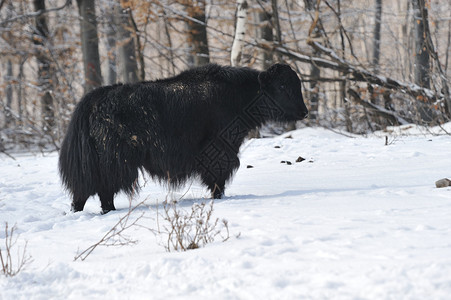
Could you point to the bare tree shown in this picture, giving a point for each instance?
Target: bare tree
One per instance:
(240, 32)
(197, 32)
(377, 35)
(126, 46)
(434, 55)
(171, 61)
(422, 77)
(89, 44)
(9, 92)
(45, 71)
(110, 30)
(310, 6)
(276, 25)
(265, 34)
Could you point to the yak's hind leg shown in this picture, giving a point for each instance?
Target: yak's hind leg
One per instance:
(123, 178)
(78, 202)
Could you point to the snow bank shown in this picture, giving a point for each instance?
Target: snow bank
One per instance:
(356, 219)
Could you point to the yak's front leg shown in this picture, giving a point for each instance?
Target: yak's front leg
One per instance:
(217, 190)
(218, 171)
(106, 201)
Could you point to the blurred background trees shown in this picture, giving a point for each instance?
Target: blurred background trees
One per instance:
(365, 65)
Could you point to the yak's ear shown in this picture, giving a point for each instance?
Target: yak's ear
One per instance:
(263, 78)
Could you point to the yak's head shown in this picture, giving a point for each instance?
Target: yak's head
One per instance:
(283, 87)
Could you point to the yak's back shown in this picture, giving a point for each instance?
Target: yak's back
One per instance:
(213, 73)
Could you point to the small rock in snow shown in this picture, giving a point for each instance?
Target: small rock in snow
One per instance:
(443, 183)
(300, 159)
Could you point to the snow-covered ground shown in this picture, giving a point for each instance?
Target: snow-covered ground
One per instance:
(356, 220)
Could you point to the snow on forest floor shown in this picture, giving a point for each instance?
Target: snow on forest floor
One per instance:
(357, 219)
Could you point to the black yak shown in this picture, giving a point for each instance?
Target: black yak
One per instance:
(189, 125)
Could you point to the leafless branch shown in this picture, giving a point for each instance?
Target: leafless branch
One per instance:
(115, 236)
(2, 3)
(11, 266)
(359, 74)
(33, 14)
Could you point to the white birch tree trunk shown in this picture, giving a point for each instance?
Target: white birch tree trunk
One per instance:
(240, 31)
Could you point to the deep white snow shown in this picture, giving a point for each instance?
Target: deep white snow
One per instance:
(356, 220)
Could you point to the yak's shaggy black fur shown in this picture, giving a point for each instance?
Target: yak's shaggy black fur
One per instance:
(190, 125)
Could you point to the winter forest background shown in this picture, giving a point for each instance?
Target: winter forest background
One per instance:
(364, 64)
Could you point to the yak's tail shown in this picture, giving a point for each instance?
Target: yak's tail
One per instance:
(78, 159)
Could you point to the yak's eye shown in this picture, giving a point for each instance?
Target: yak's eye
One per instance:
(282, 86)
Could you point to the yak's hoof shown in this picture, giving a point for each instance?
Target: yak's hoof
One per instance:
(74, 208)
(105, 211)
(218, 195)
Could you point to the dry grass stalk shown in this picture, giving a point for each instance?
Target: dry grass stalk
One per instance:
(11, 266)
(187, 230)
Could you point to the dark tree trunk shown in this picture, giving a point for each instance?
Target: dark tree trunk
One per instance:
(126, 50)
(422, 60)
(266, 35)
(432, 52)
(342, 84)
(377, 35)
(197, 33)
(45, 71)
(89, 44)
(20, 101)
(276, 25)
(111, 29)
(139, 49)
(421, 54)
(8, 93)
(171, 61)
